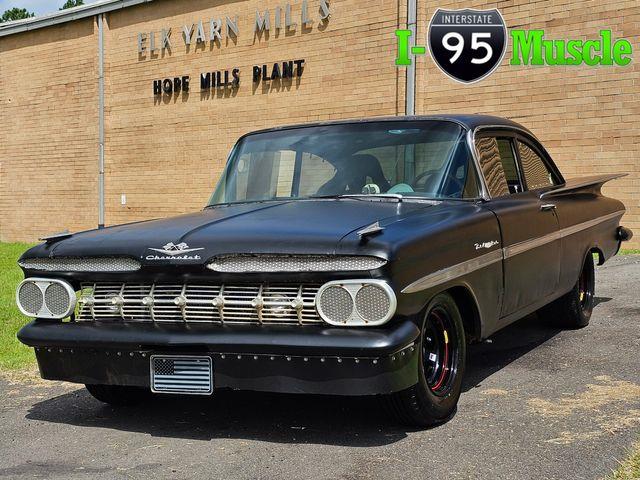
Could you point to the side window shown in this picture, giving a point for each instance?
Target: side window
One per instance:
(536, 173)
(498, 165)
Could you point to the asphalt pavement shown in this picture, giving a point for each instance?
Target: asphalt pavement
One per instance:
(539, 403)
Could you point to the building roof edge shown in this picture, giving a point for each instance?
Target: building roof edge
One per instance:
(67, 15)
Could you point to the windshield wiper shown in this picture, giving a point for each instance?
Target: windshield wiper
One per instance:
(397, 196)
(359, 196)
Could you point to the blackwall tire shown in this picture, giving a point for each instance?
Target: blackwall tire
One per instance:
(118, 395)
(434, 398)
(574, 309)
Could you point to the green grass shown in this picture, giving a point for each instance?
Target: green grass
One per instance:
(13, 354)
(630, 468)
(630, 251)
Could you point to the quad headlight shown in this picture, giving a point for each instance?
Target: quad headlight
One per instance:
(356, 302)
(45, 298)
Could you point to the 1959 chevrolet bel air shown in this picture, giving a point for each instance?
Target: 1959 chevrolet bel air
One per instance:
(350, 258)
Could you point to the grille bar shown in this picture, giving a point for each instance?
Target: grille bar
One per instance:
(256, 303)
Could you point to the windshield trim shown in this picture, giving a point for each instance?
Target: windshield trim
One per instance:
(464, 136)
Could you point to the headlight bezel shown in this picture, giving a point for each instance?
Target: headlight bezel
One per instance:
(353, 286)
(45, 312)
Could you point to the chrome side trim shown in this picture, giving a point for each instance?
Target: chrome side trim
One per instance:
(455, 271)
(565, 232)
(468, 266)
(521, 247)
(527, 245)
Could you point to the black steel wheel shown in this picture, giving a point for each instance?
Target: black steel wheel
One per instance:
(574, 309)
(441, 366)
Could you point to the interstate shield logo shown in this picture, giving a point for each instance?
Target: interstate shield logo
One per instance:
(467, 45)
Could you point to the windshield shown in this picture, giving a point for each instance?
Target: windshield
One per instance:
(412, 159)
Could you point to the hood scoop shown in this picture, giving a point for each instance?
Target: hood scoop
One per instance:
(372, 229)
(56, 237)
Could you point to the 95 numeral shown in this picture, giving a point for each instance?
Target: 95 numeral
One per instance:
(454, 42)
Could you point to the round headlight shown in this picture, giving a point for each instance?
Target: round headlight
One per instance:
(336, 304)
(45, 298)
(372, 303)
(356, 302)
(30, 298)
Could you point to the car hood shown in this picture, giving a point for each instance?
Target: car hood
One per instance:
(303, 226)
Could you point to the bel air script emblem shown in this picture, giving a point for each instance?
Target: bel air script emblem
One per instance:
(485, 244)
(171, 251)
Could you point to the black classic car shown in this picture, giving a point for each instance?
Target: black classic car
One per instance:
(351, 258)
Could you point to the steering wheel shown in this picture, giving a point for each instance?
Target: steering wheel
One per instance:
(423, 175)
(427, 176)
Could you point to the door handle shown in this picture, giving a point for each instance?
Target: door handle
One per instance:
(545, 207)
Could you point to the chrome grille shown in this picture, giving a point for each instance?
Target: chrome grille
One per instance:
(273, 304)
(295, 263)
(81, 264)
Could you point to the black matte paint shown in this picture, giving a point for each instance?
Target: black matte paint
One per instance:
(418, 238)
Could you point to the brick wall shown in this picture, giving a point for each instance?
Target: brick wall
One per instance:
(48, 131)
(587, 117)
(167, 155)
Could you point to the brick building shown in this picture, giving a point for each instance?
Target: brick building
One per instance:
(163, 152)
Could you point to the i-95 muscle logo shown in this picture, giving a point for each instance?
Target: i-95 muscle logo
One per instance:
(467, 45)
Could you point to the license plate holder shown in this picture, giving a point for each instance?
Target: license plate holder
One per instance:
(181, 374)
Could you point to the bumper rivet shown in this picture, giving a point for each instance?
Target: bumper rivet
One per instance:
(393, 358)
(272, 357)
(306, 359)
(322, 359)
(60, 350)
(412, 349)
(71, 350)
(222, 356)
(288, 359)
(48, 350)
(239, 357)
(131, 354)
(375, 360)
(144, 355)
(402, 353)
(339, 360)
(119, 354)
(357, 360)
(255, 357)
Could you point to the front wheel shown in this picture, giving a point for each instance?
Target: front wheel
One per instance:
(441, 366)
(573, 310)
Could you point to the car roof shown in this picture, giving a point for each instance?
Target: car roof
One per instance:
(468, 121)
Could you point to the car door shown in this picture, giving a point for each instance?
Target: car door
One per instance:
(529, 227)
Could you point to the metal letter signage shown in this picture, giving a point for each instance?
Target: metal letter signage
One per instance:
(212, 30)
(467, 45)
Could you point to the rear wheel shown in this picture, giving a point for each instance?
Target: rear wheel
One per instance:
(573, 310)
(441, 366)
(118, 395)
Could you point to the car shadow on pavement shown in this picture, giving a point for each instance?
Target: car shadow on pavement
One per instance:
(314, 419)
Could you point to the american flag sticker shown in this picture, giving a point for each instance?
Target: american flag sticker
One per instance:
(181, 374)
